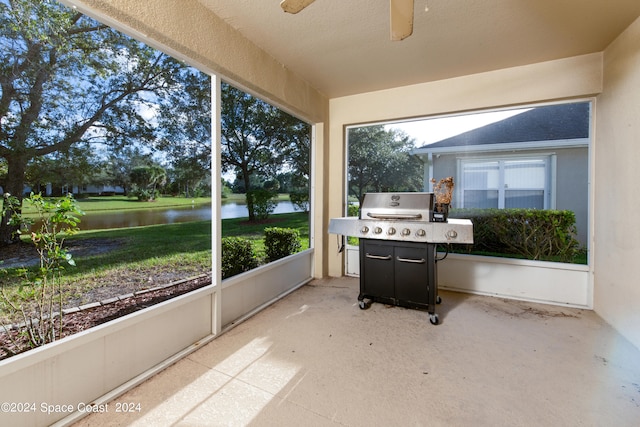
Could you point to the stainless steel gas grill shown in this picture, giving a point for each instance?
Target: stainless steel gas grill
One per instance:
(398, 238)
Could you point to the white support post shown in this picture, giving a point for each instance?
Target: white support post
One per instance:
(216, 194)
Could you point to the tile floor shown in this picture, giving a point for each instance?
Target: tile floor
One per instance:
(315, 359)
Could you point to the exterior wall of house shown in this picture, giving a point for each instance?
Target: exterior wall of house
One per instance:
(572, 176)
(99, 189)
(572, 187)
(616, 201)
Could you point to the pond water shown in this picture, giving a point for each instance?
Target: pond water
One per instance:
(125, 219)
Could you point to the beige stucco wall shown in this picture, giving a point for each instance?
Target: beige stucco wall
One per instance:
(617, 176)
(567, 78)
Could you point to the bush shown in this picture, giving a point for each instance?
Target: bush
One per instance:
(143, 195)
(226, 190)
(237, 256)
(281, 242)
(530, 233)
(262, 203)
(38, 298)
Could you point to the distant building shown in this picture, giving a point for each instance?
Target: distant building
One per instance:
(90, 189)
(98, 190)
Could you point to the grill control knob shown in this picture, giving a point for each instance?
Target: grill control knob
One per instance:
(452, 234)
(364, 229)
(406, 232)
(391, 231)
(377, 230)
(421, 233)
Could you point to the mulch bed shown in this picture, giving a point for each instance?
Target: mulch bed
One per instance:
(86, 318)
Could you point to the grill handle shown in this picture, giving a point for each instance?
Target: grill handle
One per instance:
(385, 258)
(394, 216)
(413, 261)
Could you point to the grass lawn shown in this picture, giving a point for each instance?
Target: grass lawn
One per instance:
(91, 205)
(255, 231)
(109, 203)
(142, 257)
(120, 203)
(176, 245)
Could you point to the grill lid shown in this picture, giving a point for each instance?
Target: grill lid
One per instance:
(397, 206)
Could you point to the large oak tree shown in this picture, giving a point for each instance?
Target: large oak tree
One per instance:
(67, 80)
(260, 140)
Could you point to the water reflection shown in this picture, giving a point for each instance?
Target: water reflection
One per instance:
(124, 219)
(239, 210)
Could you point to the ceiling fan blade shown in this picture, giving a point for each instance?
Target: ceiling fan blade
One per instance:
(294, 6)
(401, 19)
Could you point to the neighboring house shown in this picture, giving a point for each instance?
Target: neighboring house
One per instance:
(98, 189)
(536, 159)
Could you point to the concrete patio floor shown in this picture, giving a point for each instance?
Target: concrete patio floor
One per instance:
(315, 359)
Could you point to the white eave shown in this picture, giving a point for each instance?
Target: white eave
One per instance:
(502, 147)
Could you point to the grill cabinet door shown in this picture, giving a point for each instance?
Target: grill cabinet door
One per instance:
(413, 273)
(376, 273)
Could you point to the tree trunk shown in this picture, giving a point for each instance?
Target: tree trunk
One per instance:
(14, 185)
(248, 197)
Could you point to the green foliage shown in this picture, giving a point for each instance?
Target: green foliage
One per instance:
(143, 195)
(225, 189)
(39, 291)
(300, 199)
(64, 75)
(185, 122)
(380, 160)
(261, 203)
(258, 140)
(353, 210)
(238, 256)
(530, 233)
(147, 181)
(281, 242)
(272, 185)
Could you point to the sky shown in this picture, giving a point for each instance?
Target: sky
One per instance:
(430, 130)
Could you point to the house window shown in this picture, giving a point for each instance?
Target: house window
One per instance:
(506, 183)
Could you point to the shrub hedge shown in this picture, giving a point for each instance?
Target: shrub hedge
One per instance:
(238, 256)
(531, 233)
(281, 242)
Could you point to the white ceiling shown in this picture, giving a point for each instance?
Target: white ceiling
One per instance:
(342, 47)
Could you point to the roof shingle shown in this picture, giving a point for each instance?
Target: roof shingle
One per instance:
(553, 122)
